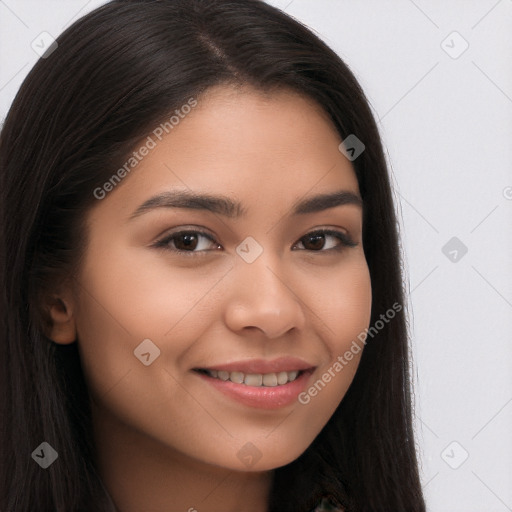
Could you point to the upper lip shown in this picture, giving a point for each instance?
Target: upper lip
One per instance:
(281, 364)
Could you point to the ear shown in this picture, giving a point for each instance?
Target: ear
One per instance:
(62, 328)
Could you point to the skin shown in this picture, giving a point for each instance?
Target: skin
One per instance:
(164, 436)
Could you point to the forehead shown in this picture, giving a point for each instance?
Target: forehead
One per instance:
(241, 142)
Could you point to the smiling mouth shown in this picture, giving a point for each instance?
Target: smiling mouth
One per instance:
(254, 379)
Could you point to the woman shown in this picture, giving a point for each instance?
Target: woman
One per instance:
(202, 302)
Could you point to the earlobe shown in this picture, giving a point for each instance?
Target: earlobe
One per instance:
(63, 327)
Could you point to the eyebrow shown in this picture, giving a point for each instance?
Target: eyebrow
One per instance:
(227, 207)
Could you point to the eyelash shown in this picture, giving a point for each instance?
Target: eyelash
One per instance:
(163, 243)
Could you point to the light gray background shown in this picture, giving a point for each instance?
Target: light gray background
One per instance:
(446, 122)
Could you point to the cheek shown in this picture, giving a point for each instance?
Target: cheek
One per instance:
(133, 293)
(342, 304)
(354, 305)
(125, 299)
(344, 311)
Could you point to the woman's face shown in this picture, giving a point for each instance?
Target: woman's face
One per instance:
(261, 275)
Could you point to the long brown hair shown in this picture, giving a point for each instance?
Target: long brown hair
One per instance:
(116, 73)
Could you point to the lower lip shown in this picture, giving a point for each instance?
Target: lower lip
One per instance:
(263, 397)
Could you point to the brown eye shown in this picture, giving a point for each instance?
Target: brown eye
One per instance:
(185, 242)
(325, 240)
(188, 242)
(314, 242)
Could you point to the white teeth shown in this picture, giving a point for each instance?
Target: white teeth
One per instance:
(282, 378)
(255, 379)
(270, 379)
(237, 377)
(293, 375)
(222, 375)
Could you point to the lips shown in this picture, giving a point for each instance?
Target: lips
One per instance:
(260, 397)
(260, 383)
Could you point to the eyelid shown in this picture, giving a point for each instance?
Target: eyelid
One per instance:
(162, 242)
(345, 239)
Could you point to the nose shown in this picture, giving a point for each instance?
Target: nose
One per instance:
(262, 299)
